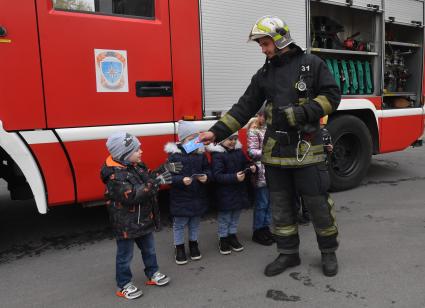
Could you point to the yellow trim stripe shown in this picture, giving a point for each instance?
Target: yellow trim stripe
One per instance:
(328, 231)
(230, 122)
(324, 103)
(314, 155)
(285, 230)
(277, 37)
(262, 27)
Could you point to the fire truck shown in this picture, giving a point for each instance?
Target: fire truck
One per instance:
(75, 71)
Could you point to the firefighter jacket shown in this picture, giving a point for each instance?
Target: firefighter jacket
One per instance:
(131, 196)
(291, 79)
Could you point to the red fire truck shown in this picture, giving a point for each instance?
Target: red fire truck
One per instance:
(75, 71)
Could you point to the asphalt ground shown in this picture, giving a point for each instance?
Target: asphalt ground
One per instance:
(66, 258)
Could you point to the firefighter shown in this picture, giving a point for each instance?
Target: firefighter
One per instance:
(298, 90)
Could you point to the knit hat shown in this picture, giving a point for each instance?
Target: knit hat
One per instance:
(121, 145)
(186, 129)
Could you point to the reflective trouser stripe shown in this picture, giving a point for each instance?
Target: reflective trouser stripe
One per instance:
(285, 230)
(332, 230)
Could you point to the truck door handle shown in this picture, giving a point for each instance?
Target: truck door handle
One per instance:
(3, 31)
(154, 88)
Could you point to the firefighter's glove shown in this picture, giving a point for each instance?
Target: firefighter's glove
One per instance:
(164, 178)
(295, 115)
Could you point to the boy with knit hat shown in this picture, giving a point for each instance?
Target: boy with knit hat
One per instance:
(188, 193)
(131, 195)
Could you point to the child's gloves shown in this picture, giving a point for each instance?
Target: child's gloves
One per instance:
(174, 167)
(171, 167)
(164, 178)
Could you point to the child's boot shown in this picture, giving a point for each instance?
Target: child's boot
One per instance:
(224, 246)
(234, 242)
(180, 255)
(195, 254)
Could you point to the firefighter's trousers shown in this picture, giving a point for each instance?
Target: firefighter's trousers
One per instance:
(312, 183)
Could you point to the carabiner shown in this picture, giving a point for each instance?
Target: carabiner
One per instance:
(298, 150)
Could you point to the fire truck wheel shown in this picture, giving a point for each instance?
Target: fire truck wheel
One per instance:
(352, 152)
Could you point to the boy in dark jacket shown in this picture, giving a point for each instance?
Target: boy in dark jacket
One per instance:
(131, 193)
(188, 193)
(229, 167)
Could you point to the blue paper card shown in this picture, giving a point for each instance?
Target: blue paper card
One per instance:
(192, 145)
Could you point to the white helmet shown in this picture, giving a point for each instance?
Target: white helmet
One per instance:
(273, 27)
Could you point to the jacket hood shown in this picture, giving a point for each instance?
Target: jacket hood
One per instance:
(218, 148)
(108, 169)
(172, 148)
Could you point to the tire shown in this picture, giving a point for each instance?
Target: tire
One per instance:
(351, 154)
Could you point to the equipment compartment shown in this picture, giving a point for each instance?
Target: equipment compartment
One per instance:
(350, 42)
(402, 65)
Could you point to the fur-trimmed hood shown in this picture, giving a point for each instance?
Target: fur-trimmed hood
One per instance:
(172, 148)
(218, 148)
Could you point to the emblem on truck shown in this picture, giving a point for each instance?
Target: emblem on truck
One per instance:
(111, 70)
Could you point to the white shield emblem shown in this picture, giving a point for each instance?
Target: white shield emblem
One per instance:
(111, 70)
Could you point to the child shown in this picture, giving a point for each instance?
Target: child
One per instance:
(229, 166)
(188, 193)
(130, 193)
(262, 207)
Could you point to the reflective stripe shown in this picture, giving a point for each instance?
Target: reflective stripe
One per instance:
(277, 37)
(315, 155)
(290, 116)
(268, 111)
(230, 122)
(332, 230)
(262, 27)
(286, 230)
(324, 103)
(302, 101)
(328, 231)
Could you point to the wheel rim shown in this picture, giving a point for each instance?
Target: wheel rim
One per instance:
(345, 155)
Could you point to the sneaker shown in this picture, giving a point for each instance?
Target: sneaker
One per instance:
(129, 291)
(180, 255)
(224, 246)
(329, 264)
(234, 243)
(195, 254)
(261, 237)
(158, 279)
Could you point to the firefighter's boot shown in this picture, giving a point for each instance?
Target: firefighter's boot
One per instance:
(281, 263)
(329, 264)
